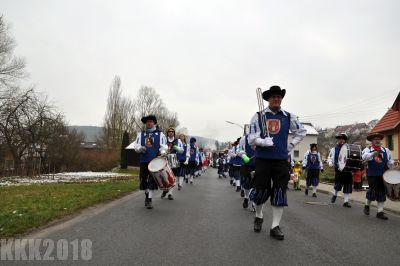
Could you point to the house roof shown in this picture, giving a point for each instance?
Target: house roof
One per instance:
(391, 119)
(310, 129)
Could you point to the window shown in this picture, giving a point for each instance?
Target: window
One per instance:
(390, 142)
(296, 154)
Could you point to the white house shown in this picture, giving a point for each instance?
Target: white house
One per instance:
(311, 137)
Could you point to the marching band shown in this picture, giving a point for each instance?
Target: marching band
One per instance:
(259, 163)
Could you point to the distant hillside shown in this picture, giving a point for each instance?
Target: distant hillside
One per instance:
(91, 132)
(357, 135)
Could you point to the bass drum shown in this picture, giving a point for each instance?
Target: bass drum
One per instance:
(350, 158)
(391, 179)
(162, 173)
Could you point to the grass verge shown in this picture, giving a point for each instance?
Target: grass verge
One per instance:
(24, 208)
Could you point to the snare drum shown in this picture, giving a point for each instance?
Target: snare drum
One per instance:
(391, 179)
(350, 158)
(162, 173)
(173, 161)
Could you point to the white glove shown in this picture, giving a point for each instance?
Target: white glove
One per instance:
(142, 149)
(187, 161)
(267, 142)
(330, 164)
(241, 153)
(163, 153)
(290, 147)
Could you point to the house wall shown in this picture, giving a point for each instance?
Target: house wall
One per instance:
(303, 147)
(396, 143)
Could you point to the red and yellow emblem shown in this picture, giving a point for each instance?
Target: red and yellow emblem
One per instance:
(274, 126)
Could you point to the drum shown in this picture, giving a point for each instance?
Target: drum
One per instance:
(350, 158)
(173, 161)
(391, 179)
(162, 173)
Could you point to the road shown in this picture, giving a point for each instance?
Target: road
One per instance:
(206, 225)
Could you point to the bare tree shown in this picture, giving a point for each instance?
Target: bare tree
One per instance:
(11, 67)
(148, 101)
(112, 120)
(120, 116)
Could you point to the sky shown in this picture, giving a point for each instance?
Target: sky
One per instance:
(339, 61)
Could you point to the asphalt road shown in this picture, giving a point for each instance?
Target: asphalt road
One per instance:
(206, 225)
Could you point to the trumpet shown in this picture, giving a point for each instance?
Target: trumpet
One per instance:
(261, 108)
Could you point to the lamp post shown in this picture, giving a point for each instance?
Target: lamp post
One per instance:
(229, 122)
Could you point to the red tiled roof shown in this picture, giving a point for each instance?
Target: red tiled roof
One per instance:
(388, 122)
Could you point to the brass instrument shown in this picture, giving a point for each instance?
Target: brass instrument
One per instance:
(264, 128)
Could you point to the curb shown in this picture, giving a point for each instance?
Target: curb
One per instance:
(391, 210)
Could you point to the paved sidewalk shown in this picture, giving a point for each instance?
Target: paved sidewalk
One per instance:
(391, 206)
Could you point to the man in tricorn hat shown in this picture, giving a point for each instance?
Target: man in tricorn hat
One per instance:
(342, 179)
(379, 160)
(313, 163)
(149, 143)
(269, 132)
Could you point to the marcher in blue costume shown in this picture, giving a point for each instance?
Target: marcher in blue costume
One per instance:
(313, 163)
(183, 159)
(149, 143)
(379, 160)
(248, 157)
(343, 179)
(272, 148)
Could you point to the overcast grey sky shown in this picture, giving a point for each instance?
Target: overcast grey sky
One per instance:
(206, 58)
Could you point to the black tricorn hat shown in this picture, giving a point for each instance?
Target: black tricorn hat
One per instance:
(371, 136)
(341, 136)
(312, 145)
(274, 90)
(149, 117)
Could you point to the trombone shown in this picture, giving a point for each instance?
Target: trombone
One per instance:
(261, 108)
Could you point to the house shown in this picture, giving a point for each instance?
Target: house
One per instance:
(311, 137)
(389, 126)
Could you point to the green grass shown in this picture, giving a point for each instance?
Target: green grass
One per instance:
(26, 207)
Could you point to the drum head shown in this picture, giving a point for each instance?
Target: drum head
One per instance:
(157, 164)
(392, 177)
(343, 157)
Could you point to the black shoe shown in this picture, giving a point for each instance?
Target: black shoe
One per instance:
(149, 204)
(276, 233)
(231, 181)
(179, 187)
(333, 199)
(238, 189)
(258, 224)
(191, 182)
(306, 192)
(187, 180)
(242, 193)
(381, 215)
(245, 203)
(314, 195)
(170, 197)
(366, 210)
(347, 205)
(146, 202)
(164, 193)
